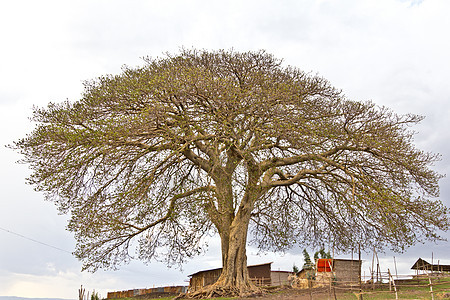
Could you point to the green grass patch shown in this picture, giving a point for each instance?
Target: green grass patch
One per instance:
(412, 289)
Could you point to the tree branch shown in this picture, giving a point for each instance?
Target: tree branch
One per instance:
(197, 160)
(300, 175)
(278, 162)
(171, 208)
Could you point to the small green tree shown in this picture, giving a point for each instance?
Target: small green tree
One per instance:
(322, 254)
(95, 296)
(308, 265)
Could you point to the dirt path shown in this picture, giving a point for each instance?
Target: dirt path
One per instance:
(297, 294)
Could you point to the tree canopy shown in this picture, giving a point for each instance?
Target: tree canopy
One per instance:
(150, 161)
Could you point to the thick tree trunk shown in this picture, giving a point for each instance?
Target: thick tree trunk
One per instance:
(234, 279)
(234, 259)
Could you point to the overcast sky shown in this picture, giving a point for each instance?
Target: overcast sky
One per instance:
(393, 52)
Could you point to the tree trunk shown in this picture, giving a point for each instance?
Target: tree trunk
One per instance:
(234, 279)
(234, 259)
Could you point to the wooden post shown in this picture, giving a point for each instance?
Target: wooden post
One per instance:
(432, 263)
(373, 279)
(390, 282)
(431, 287)
(395, 265)
(393, 282)
(439, 272)
(329, 291)
(351, 273)
(331, 278)
(378, 265)
(81, 293)
(360, 279)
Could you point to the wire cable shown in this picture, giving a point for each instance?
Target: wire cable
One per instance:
(36, 241)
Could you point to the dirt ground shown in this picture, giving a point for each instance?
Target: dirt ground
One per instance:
(441, 290)
(297, 294)
(280, 294)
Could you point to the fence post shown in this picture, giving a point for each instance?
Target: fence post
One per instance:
(390, 283)
(431, 287)
(360, 297)
(393, 283)
(81, 293)
(329, 291)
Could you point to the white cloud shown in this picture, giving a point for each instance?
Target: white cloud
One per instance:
(64, 285)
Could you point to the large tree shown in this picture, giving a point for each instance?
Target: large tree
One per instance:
(152, 160)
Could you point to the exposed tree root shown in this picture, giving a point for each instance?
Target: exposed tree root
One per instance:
(214, 291)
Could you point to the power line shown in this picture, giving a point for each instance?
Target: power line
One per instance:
(36, 241)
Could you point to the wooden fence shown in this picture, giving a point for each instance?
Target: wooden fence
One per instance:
(139, 292)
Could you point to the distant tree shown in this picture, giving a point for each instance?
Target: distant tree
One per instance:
(152, 160)
(295, 269)
(308, 264)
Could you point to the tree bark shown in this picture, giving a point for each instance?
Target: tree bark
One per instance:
(233, 228)
(234, 259)
(234, 279)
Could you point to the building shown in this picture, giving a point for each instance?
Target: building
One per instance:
(259, 274)
(339, 271)
(347, 270)
(422, 265)
(280, 278)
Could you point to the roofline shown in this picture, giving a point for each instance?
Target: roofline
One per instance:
(222, 268)
(282, 271)
(427, 264)
(345, 259)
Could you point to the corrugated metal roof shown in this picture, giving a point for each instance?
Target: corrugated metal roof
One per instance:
(199, 272)
(422, 264)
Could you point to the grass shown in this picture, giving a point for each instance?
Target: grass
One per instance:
(410, 290)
